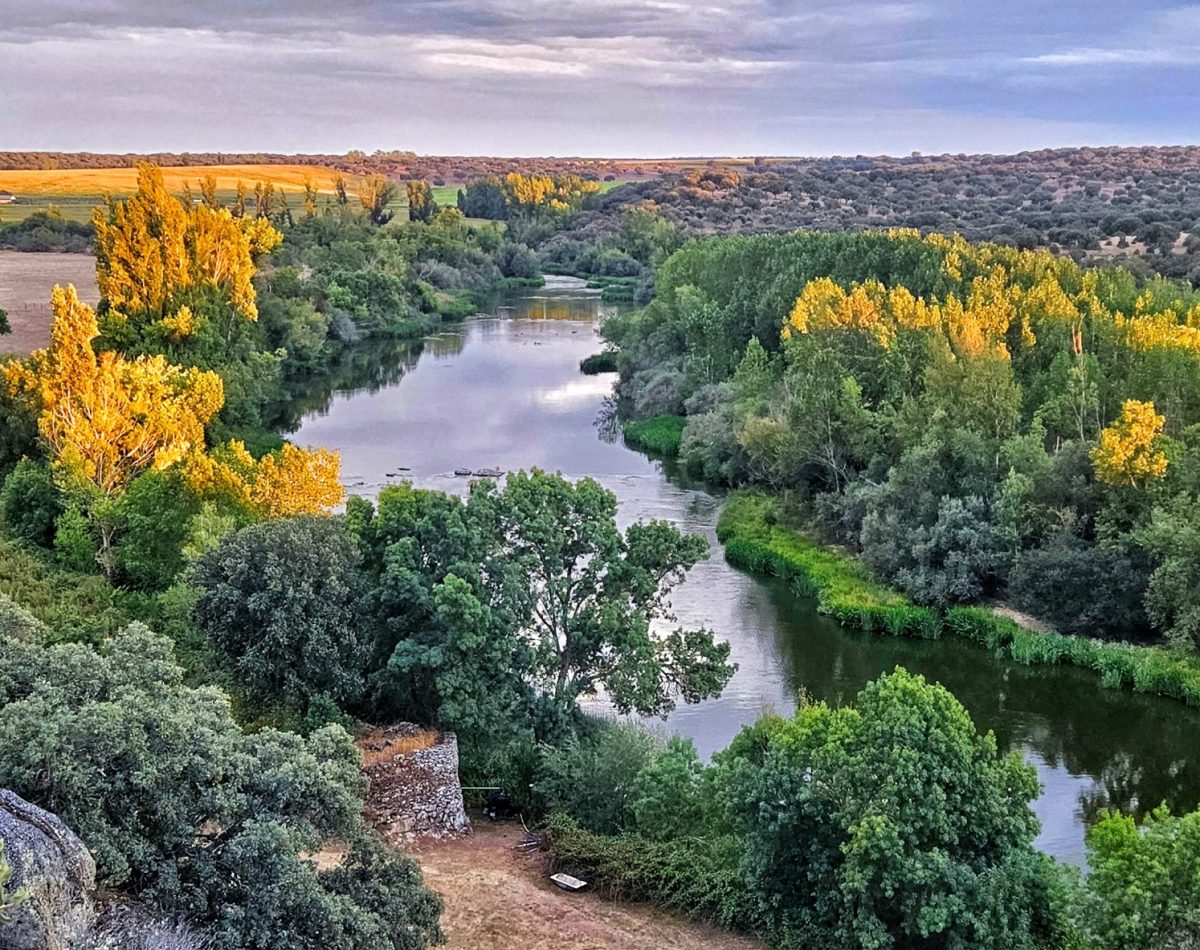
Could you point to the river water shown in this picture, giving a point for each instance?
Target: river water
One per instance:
(504, 391)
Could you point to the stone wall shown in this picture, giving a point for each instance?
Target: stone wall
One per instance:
(415, 790)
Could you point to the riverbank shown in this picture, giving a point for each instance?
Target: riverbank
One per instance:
(757, 538)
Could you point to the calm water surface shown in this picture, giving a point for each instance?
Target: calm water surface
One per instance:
(505, 392)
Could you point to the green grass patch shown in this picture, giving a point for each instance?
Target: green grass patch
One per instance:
(660, 435)
(756, 540)
(603, 362)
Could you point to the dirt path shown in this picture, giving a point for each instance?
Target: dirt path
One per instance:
(26, 279)
(499, 899)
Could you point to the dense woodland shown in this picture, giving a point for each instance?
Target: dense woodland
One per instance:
(1138, 206)
(191, 636)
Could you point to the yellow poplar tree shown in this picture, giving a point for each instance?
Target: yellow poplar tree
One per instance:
(293, 481)
(105, 418)
(1128, 452)
(153, 253)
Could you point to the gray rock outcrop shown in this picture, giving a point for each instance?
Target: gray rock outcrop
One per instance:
(56, 871)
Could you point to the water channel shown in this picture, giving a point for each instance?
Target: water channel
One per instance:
(504, 391)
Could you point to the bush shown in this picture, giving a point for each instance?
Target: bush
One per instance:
(592, 777)
(31, 503)
(1087, 589)
(603, 362)
(280, 601)
(697, 877)
(185, 811)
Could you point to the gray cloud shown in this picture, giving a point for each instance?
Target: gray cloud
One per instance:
(580, 76)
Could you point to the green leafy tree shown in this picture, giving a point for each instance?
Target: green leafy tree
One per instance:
(1143, 885)
(890, 823)
(279, 600)
(182, 809)
(588, 595)
(31, 502)
(1173, 596)
(154, 519)
(670, 797)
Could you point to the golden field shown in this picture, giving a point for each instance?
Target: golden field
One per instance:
(117, 181)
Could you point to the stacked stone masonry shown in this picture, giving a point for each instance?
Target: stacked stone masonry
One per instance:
(415, 791)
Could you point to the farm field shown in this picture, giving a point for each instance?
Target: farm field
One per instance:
(119, 181)
(26, 280)
(74, 192)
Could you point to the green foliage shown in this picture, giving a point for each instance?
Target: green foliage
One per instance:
(699, 876)
(74, 606)
(75, 543)
(18, 428)
(602, 362)
(588, 594)
(31, 503)
(1143, 889)
(1088, 590)
(843, 588)
(592, 777)
(661, 435)
(181, 808)
(891, 822)
(279, 600)
(154, 519)
(669, 797)
(1173, 598)
(502, 611)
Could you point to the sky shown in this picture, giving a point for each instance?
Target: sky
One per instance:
(597, 77)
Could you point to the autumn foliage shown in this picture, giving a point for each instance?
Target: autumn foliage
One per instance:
(293, 481)
(106, 418)
(157, 258)
(1128, 452)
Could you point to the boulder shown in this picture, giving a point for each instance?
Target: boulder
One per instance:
(53, 867)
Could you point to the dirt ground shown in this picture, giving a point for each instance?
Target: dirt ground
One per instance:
(25, 283)
(499, 899)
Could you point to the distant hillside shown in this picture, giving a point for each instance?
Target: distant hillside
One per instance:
(1141, 205)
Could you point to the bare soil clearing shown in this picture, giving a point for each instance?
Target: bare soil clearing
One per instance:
(26, 280)
(500, 899)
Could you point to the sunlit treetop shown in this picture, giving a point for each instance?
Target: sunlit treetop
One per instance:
(155, 254)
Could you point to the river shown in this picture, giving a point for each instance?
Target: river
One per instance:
(504, 391)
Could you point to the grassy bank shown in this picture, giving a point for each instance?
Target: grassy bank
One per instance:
(660, 435)
(756, 540)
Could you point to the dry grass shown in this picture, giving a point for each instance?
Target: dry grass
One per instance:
(501, 899)
(378, 746)
(121, 181)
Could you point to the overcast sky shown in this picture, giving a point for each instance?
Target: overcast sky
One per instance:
(597, 77)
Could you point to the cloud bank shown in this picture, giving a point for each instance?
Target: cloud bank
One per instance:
(596, 77)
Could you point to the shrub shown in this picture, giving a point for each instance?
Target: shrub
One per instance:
(660, 435)
(602, 362)
(31, 503)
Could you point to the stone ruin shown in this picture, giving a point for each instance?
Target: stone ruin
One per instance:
(415, 791)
